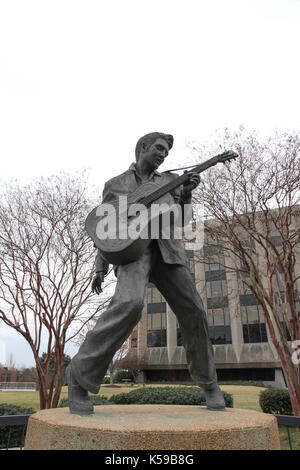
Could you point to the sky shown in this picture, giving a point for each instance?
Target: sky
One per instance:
(82, 80)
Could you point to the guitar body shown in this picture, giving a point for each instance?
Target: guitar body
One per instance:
(121, 229)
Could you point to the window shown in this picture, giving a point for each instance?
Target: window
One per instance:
(153, 295)
(156, 330)
(214, 257)
(219, 326)
(248, 299)
(219, 329)
(254, 329)
(217, 300)
(157, 307)
(276, 240)
(286, 330)
(218, 275)
(179, 336)
(216, 288)
(156, 319)
(191, 261)
(216, 284)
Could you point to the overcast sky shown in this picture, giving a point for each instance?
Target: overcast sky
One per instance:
(81, 81)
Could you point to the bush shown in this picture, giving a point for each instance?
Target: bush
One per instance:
(275, 401)
(166, 395)
(16, 432)
(156, 395)
(123, 374)
(95, 399)
(106, 380)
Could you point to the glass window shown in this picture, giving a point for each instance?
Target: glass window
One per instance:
(217, 302)
(210, 317)
(286, 330)
(252, 314)
(156, 295)
(219, 325)
(179, 338)
(255, 333)
(218, 315)
(157, 329)
(157, 338)
(254, 328)
(214, 257)
(220, 334)
(208, 289)
(216, 288)
(156, 321)
(157, 307)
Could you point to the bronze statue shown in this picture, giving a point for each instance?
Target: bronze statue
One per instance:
(160, 261)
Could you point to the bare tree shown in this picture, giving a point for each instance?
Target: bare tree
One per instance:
(46, 267)
(253, 213)
(11, 363)
(134, 362)
(89, 324)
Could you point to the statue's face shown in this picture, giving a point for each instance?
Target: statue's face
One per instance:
(156, 153)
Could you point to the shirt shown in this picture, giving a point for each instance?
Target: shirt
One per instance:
(172, 249)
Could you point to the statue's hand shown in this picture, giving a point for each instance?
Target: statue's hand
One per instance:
(192, 183)
(96, 284)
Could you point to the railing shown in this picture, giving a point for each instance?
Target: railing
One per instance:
(288, 422)
(10, 422)
(15, 386)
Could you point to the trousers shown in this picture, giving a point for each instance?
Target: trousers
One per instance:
(115, 324)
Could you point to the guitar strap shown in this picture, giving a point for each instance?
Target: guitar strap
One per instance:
(183, 168)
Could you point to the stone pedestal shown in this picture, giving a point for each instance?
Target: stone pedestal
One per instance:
(152, 427)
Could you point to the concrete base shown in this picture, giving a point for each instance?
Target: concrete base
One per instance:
(152, 427)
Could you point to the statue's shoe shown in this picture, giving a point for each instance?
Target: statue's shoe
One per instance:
(214, 398)
(79, 402)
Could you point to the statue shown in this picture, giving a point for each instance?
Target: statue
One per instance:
(160, 261)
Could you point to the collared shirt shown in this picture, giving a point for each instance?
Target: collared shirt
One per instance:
(138, 177)
(172, 250)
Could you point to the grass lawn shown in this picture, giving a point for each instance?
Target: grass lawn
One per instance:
(244, 396)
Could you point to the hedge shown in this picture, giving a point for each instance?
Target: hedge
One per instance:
(95, 399)
(275, 401)
(166, 395)
(157, 395)
(16, 432)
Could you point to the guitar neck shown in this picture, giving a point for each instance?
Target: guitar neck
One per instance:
(178, 181)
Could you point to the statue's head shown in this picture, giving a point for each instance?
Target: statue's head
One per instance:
(145, 142)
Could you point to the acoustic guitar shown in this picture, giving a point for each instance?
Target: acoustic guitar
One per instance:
(123, 228)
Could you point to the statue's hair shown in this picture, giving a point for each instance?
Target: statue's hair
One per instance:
(148, 139)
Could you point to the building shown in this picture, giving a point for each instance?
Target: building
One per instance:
(239, 334)
(8, 374)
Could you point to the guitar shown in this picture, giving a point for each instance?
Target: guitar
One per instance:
(121, 229)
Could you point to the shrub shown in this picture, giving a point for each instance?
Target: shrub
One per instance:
(95, 399)
(122, 374)
(166, 395)
(156, 395)
(106, 380)
(16, 436)
(275, 401)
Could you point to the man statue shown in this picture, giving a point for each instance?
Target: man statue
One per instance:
(163, 263)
